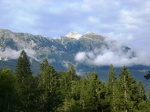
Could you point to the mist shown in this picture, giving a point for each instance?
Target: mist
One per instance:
(138, 54)
(9, 53)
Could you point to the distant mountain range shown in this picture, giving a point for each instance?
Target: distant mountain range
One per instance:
(60, 51)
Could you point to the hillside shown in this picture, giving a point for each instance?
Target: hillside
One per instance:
(63, 50)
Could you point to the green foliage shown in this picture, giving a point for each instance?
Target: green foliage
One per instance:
(49, 87)
(147, 76)
(128, 91)
(113, 94)
(65, 91)
(141, 91)
(69, 86)
(7, 91)
(23, 66)
(92, 93)
(25, 84)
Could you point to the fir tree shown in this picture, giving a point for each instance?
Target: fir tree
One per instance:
(128, 91)
(23, 66)
(24, 83)
(112, 90)
(147, 76)
(72, 72)
(92, 93)
(141, 91)
(48, 84)
(7, 91)
(69, 86)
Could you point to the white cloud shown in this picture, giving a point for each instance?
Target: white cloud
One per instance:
(81, 56)
(14, 54)
(115, 55)
(93, 20)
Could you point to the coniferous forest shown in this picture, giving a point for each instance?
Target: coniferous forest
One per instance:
(65, 91)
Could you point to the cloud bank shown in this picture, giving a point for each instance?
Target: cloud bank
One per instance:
(47, 17)
(116, 54)
(13, 54)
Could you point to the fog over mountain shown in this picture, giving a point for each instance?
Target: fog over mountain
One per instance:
(125, 22)
(89, 48)
(14, 54)
(137, 55)
(87, 52)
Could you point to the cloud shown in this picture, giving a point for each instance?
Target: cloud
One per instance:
(116, 54)
(54, 19)
(81, 56)
(93, 20)
(9, 53)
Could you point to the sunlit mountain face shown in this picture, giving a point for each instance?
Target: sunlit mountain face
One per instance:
(87, 52)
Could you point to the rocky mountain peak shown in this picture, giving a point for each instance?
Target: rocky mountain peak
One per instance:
(74, 34)
(4, 30)
(90, 33)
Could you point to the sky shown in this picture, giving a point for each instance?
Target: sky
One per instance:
(127, 21)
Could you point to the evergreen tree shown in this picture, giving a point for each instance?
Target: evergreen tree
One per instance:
(69, 86)
(92, 93)
(24, 83)
(67, 92)
(49, 85)
(141, 91)
(23, 66)
(128, 91)
(141, 96)
(147, 76)
(113, 90)
(72, 72)
(7, 91)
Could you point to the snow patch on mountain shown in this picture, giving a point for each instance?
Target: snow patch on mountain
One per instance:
(74, 35)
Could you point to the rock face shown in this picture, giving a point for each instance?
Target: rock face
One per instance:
(59, 52)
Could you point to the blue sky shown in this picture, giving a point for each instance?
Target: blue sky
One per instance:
(54, 18)
(119, 19)
(127, 21)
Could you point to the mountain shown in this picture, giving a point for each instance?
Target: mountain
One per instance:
(62, 51)
(58, 51)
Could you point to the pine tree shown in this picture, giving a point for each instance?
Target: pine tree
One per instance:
(112, 90)
(24, 83)
(92, 93)
(147, 76)
(141, 91)
(7, 91)
(128, 91)
(48, 84)
(69, 86)
(72, 72)
(141, 102)
(23, 66)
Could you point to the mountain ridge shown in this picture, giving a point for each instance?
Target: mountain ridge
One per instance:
(60, 51)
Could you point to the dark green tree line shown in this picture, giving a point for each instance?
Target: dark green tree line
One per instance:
(25, 84)
(65, 91)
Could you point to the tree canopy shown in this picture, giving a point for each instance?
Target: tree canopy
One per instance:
(65, 91)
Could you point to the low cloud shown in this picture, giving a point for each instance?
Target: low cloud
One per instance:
(14, 54)
(116, 54)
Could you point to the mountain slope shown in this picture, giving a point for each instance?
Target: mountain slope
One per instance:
(58, 51)
(62, 51)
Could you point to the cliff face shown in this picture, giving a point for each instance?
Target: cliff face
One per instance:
(61, 51)
(58, 51)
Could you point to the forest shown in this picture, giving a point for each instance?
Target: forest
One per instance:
(65, 91)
